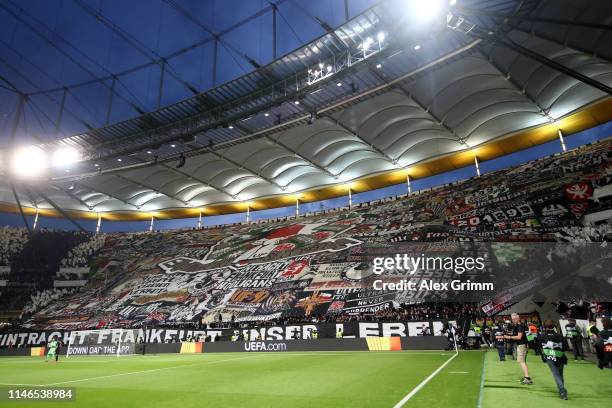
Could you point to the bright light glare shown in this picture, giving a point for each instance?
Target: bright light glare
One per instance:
(426, 10)
(381, 37)
(28, 162)
(65, 157)
(453, 2)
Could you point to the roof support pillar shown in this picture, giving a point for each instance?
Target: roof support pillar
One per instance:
(560, 133)
(408, 184)
(99, 224)
(350, 197)
(477, 165)
(151, 224)
(200, 220)
(35, 220)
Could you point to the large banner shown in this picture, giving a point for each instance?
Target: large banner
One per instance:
(108, 337)
(492, 240)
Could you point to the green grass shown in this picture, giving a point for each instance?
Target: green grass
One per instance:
(336, 379)
(587, 386)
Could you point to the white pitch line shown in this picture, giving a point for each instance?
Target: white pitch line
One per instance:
(423, 383)
(458, 372)
(482, 381)
(128, 373)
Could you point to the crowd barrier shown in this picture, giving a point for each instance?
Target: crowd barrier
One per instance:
(359, 344)
(350, 344)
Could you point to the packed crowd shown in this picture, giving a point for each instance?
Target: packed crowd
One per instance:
(80, 255)
(315, 267)
(42, 298)
(12, 241)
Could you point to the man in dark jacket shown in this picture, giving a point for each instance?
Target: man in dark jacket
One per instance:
(574, 336)
(603, 345)
(553, 346)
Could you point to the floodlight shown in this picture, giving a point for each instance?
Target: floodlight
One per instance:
(381, 37)
(425, 11)
(65, 157)
(28, 162)
(417, 47)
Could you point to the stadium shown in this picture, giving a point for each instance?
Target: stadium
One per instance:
(305, 203)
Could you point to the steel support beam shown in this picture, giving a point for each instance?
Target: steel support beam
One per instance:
(160, 90)
(23, 217)
(59, 209)
(60, 113)
(274, 29)
(110, 101)
(486, 13)
(17, 117)
(486, 34)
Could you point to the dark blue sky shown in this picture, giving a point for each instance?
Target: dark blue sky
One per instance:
(45, 44)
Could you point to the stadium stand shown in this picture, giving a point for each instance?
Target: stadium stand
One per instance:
(306, 269)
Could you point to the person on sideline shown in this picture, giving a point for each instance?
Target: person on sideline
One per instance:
(519, 337)
(553, 346)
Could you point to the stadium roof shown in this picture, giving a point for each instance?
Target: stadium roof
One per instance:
(422, 96)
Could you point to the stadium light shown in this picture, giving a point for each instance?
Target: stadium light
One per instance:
(65, 157)
(339, 84)
(381, 37)
(379, 66)
(417, 47)
(29, 162)
(425, 11)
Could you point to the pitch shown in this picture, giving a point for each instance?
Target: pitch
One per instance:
(321, 379)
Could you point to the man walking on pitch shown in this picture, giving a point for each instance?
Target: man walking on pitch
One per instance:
(52, 349)
(519, 337)
(553, 346)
